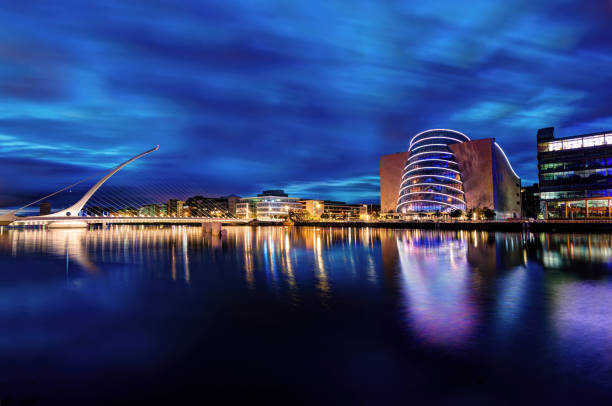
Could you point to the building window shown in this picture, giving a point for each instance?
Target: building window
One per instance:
(576, 209)
(598, 208)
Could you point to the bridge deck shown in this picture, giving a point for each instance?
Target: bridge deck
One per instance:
(34, 221)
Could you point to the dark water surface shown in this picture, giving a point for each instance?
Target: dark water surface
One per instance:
(304, 315)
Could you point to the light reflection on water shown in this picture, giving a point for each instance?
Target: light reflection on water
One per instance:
(451, 290)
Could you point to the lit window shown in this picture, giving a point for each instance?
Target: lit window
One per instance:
(555, 146)
(593, 141)
(572, 144)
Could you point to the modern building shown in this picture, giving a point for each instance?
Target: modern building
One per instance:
(575, 175)
(45, 208)
(445, 170)
(270, 204)
(201, 206)
(530, 201)
(153, 210)
(175, 208)
(329, 209)
(391, 168)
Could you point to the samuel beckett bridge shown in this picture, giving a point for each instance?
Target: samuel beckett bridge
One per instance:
(76, 217)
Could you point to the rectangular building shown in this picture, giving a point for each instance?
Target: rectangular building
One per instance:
(530, 201)
(391, 167)
(488, 178)
(269, 205)
(575, 175)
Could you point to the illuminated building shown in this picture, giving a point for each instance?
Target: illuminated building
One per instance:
(270, 204)
(175, 208)
(201, 206)
(153, 210)
(444, 170)
(575, 174)
(335, 210)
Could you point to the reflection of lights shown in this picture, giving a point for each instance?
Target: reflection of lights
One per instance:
(511, 301)
(186, 257)
(438, 306)
(321, 275)
(581, 318)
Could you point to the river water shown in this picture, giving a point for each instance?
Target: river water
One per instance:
(298, 315)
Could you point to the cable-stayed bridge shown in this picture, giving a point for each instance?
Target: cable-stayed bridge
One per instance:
(118, 209)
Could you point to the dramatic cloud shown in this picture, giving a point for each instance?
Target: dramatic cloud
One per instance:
(305, 95)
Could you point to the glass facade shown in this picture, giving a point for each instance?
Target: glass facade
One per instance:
(271, 204)
(575, 175)
(431, 179)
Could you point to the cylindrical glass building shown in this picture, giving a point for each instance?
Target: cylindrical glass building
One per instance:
(431, 180)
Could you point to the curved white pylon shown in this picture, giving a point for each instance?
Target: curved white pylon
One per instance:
(76, 208)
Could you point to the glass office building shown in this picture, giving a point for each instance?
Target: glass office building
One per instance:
(575, 175)
(269, 205)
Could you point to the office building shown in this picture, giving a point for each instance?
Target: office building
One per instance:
(530, 201)
(445, 170)
(329, 209)
(175, 208)
(269, 205)
(201, 206)
(575, 175)
(153, 210)
(45, 208)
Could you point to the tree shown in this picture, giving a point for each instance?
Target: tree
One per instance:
(470, 214)
(488, 213)
(456, 213)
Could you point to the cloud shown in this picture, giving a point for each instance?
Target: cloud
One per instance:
(243, 95)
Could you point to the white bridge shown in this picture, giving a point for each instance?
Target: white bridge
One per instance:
(69, 217)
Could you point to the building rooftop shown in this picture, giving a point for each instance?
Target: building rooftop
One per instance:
(548, 134)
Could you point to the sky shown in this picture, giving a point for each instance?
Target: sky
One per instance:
(304, 96)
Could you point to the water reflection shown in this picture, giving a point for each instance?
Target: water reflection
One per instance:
(439, 303)
(454, 290)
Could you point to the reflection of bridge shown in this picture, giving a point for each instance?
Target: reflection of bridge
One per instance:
(70, 217)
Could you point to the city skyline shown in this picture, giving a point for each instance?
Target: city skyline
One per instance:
(245, 97)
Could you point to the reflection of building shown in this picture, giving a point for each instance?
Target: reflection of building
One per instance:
(530, 200)
(271, 204)
(575, 174)
(445, 170)
(175, 208)
(45, 208)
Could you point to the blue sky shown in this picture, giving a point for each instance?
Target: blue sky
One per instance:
(300, 95)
